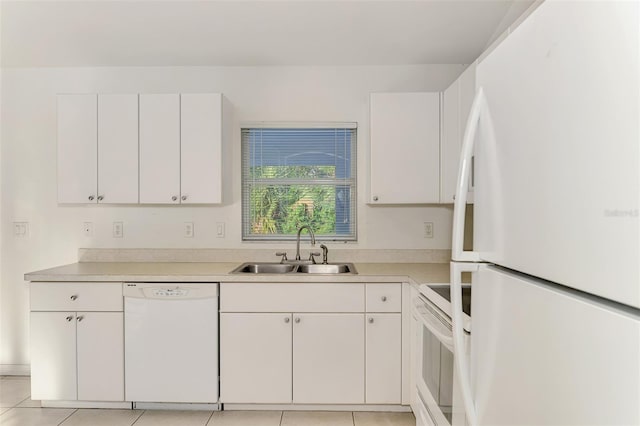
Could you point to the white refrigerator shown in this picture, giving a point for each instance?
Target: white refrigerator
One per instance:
(555, 307)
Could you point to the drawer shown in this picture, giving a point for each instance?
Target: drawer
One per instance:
(77, 296)
(291, 297)
(384, 297)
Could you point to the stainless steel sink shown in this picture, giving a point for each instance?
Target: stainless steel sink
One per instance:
(286, 268)
(332, 268)
(265, 268)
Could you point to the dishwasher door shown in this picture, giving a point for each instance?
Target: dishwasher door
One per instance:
(171, 342)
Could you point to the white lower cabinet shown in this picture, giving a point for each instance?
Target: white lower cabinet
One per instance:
(53, 356)
(309, 351)
(77, 356)
(384, 359)
(328, 361)
(255, 358)
(77, 341)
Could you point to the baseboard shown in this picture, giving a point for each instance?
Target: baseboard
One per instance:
(15, 370)
(317, 407)
(85, 404)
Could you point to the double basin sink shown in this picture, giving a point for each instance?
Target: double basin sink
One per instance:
(289, 268)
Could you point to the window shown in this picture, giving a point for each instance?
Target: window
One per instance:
(299, 175)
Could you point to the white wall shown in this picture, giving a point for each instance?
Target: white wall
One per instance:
(28, 166)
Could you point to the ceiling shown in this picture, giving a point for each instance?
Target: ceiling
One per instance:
(250, 33)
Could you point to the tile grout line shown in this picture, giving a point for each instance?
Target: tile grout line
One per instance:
(138, 418)
(210, 417)
(67, 418)
(281, 417)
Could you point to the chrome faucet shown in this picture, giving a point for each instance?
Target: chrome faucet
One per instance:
(313, 240)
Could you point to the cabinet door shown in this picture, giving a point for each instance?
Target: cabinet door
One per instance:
(384, 359)
(160, 149)
(77, 148)
(255, 358)
(100, 348)
(450, 146)
(328, 358)
(53, 356)
(405, 144)
(201, 148)
(117, 148)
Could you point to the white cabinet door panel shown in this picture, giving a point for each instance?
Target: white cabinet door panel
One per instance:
(450, 143)
(255, 358)
(328, 358)
(100, 348)
(53, 356)
(77, 148)
(160, 149)
(201, 148)
(384, 359)
(118, 148)
(405, 144)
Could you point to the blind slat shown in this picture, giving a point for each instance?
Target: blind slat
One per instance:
(298, 176)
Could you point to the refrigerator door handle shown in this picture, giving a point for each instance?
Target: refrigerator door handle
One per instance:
(460, 203)
(459, 348)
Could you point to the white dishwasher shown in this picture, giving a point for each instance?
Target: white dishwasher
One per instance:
(171, 342)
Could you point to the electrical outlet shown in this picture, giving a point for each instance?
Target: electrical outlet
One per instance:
(188, 230)
(21, 229)
(87, 229)
(219, 229)
(428, 229)
(118, 230)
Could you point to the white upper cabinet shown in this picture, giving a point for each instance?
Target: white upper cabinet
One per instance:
(77, 148)
(456, 104)
(118, 148)
(201, 148)
(148, 148)
(181, 149)
(160, 148)
(405, 145)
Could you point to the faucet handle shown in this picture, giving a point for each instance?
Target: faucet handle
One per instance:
(284, 256)
(313, 253)
(325, 252)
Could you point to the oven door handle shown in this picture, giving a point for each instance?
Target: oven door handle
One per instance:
(435, 327)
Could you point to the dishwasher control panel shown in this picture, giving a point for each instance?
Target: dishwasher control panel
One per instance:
(170, 292)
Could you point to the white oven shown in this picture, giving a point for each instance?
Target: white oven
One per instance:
(435, 394)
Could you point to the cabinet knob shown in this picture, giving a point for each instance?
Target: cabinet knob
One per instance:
(287, 320)
(69, 318)
(100, 197)
(174, 198)
(383, 298)
(91, 197)
(80, 318)
(297, 320)
(375, 198)
(74, 297)
(184, 198)
(370, 320)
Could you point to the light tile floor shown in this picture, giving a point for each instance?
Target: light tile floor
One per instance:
(17, 409)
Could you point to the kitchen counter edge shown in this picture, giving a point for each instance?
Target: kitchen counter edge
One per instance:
(414, 273)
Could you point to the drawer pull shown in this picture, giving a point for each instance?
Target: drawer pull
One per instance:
(370, 320)
(80, 318)
(74, 297)
(297, 320)
(286, 319)
(69, 318)
(383, 298)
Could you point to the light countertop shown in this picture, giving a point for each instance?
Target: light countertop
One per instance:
(220, 272)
